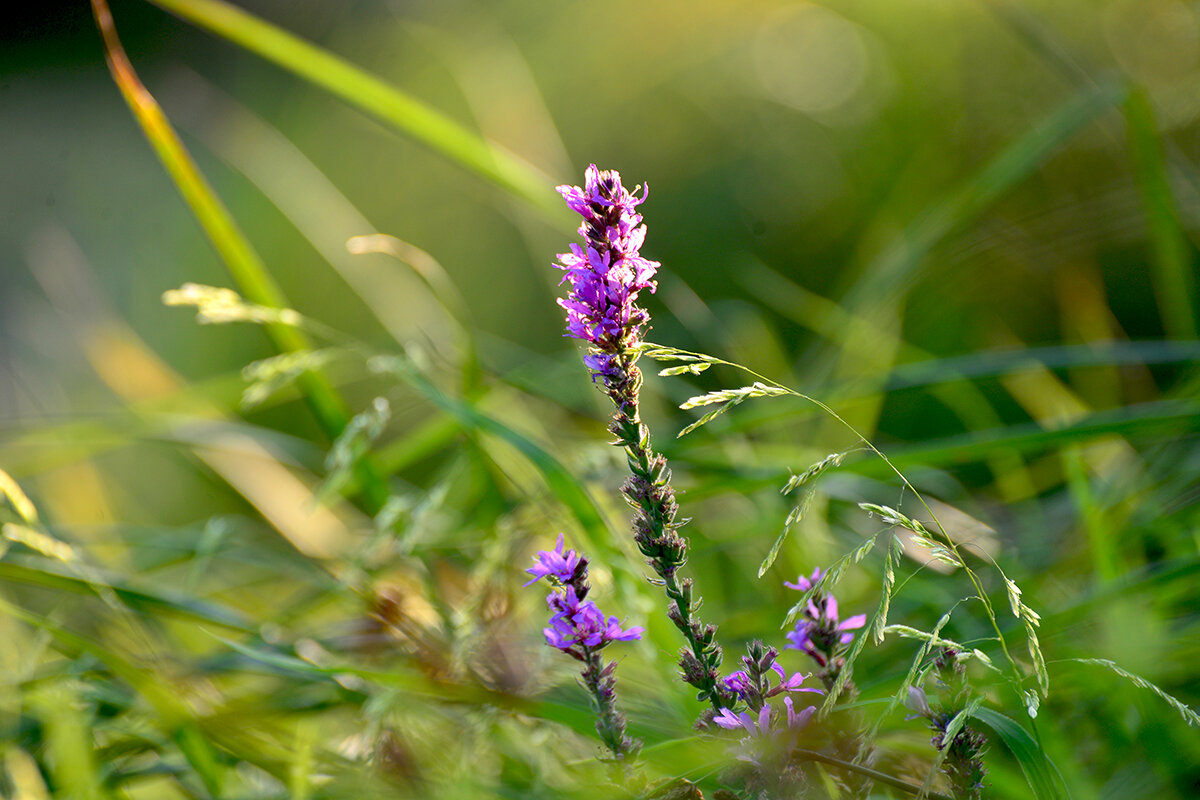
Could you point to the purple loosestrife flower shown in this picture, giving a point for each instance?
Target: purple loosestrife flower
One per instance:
(820, 626)
(607, 272)
(738, 683)
(760, 725)
(820, 633)
(753, 686)
(803, 584)
(554, 563)
(578, 623)
(580, 629)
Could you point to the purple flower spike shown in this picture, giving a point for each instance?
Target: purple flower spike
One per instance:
(580, 629)
(555, 563)
(803, 584)
(606, 275)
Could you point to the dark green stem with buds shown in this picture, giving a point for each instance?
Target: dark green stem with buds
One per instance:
(648, 490)
(599, 679)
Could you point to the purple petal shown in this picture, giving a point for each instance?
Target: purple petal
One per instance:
(738, 683)
(801, 719)
(728, 720)
(802, 583)
(764, 720)
(831, 608)
(918, 702)
(854, 622)
(799, 636)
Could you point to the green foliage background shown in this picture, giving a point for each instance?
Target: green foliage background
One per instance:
(968, 227)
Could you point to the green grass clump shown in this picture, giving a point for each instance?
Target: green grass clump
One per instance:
(956, 246)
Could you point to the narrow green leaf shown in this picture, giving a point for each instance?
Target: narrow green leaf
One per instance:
(1039, 772)
(70, 742)
(559, 480)
(11, 490)
(1017, 161)
(200, 755)
(61, 577)
(374, 96)
(244, 264)
(1172, 262)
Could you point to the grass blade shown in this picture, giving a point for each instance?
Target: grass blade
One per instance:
(560, 481)
(1172, 256)
(1039, 772)
(248, 270)
(374, 96)
(1186, 712)
(19, 501)
(1008, 168)
(60, 577)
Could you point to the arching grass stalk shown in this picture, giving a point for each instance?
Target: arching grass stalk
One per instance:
(764, 386)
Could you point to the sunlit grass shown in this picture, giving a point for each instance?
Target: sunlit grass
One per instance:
(200, 601)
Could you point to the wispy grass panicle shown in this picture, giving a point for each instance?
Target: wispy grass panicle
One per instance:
(606, 275)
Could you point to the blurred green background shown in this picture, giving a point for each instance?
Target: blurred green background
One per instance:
(970, 227)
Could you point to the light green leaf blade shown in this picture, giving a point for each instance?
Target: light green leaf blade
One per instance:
(1039, 772)
(374, 96)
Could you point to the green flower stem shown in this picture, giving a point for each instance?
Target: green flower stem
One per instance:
(867, 772)
(649, 491)
(599, 681)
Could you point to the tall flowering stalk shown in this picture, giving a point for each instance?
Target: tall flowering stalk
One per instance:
(580, 629)
(605, 275)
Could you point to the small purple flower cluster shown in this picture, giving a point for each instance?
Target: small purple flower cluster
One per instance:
(753, 687)
(818, 632)
(760, 725)
(607, 272)
(578, 623)
(575, 623)
(579, 629)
